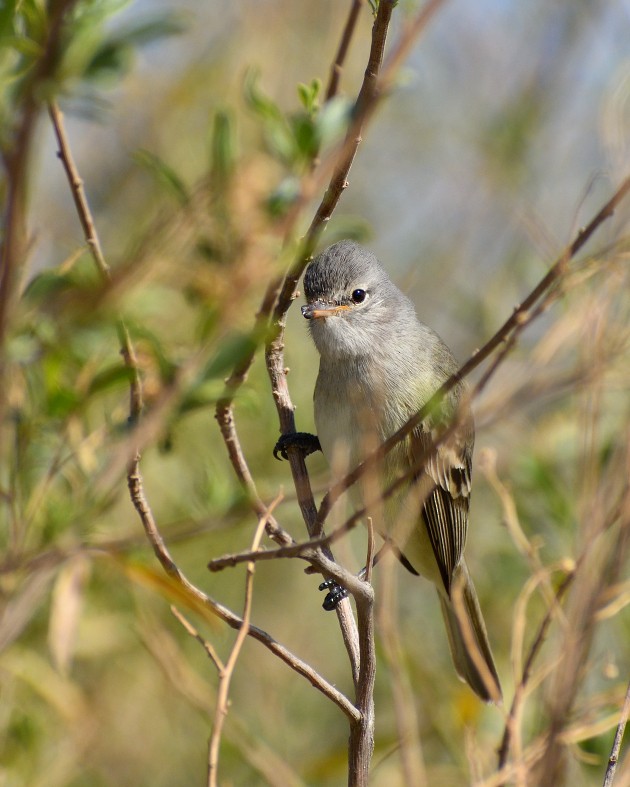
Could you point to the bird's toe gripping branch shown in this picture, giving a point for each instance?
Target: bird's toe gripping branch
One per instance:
(336, 594)
(306, 442)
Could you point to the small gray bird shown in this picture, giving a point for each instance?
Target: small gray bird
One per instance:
(378, 366)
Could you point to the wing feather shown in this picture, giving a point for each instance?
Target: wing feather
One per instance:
(445, 510)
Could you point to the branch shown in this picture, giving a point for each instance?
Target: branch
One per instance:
(519, 693)
(360, 746)
(344, 45)
(313, 181)
(91, 238)
(225, 674)
(190, 629)
(15, 157)
(616, 747)
(520, 317)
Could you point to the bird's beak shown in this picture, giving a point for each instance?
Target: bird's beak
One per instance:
(320, 310)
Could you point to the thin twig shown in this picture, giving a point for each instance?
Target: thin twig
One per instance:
(78, 193)
(91, 237)
(225, 675)
(344, 45)
(519, 693)
(207, 646)
(369, 563)
(616, 747)
(404, 697)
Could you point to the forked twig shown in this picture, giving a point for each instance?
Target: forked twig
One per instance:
(225, 674)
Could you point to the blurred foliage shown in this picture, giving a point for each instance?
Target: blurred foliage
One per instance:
(469, 181)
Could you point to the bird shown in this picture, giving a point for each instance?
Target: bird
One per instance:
(379, 365)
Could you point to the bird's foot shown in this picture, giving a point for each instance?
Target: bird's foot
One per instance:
(336, 594)
(306, 442)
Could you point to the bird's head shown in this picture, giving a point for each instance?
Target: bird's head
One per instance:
(351, 303)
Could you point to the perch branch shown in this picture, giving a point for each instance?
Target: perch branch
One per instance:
(135, 481)
(275, 358)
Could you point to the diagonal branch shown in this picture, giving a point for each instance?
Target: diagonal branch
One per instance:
(616, 747)
(342, 51)
(520, 317)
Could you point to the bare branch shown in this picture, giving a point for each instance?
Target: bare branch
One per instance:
(78, 193)
(519, 693)
(616, 747)
(361, 741)
(344, 45)
(520, 317)
(207, 646)
(225, 675)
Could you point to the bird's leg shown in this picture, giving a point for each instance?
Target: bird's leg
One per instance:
(336, 592)
(306, 442)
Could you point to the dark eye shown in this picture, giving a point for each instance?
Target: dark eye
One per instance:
(358, 296)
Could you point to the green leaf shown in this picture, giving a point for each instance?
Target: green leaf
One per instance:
(140, 333)
(47, 284)
(61, 402)
(308, 95)
(306, 136)
(278, 134)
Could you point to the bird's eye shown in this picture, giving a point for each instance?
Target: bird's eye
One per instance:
(358, 296)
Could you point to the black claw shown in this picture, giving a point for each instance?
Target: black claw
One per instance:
(336, 594)
(306, 442)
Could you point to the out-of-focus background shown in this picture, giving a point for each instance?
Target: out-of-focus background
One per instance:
(506, 130)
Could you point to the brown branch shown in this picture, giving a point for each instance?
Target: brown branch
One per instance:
(275, 358)
(520, 317)
(190, 629)
(232, 620)
(134, 477)
(225, 674)
(342, 51)
(78, 192)
(15, 158)
(91, 238)
(519, 693)
(616, 747)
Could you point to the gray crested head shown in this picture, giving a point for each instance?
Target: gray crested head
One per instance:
(353, 307)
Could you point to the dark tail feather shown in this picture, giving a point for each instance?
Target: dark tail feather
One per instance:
(471, 652)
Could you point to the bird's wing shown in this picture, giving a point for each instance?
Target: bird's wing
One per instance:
(445, 509)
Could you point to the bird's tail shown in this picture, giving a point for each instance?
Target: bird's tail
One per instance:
(468, 638)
